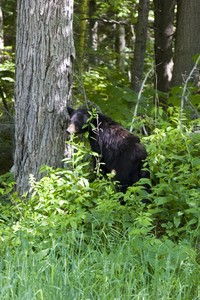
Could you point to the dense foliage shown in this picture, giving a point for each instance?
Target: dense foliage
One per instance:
(72, 198)
(73, 222)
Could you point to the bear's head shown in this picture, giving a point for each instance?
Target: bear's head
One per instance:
(78, 120)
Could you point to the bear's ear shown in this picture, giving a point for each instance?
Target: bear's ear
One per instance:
(70, 110)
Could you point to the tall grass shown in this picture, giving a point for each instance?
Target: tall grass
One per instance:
(116, 268)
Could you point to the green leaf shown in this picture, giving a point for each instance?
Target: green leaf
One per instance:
(177, 221)
(43, 253)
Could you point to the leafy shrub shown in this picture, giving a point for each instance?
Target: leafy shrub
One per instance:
(174, 161)
(67, 199)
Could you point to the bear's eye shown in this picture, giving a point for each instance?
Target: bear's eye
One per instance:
(76, 124)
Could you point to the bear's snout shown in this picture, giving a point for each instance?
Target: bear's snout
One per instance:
(71, 129)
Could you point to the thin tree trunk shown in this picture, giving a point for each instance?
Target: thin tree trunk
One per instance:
(44, 55)
(122, 46)
(187, 39)
(83, 31)
(93, 34)
(140, 45)
(1, 28)
(164, 17)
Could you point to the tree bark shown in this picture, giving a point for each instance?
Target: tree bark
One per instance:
(93, 34)
(44, 56)
(83, 33)
(140, 45)
(121, 46)
(1, 28)
(187, 39)
(164, 18)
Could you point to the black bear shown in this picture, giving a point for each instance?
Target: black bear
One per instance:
(120, 151)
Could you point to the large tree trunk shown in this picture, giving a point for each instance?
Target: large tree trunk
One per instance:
(187, 39)
(164, 18)
(140, 45)
(44, 55)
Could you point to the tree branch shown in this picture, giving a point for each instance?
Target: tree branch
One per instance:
(105, 20)
(184, 97)
(139, 97)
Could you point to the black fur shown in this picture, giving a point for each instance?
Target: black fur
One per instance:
(120, 151)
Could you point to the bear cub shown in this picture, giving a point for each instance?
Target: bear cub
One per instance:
(120, 151)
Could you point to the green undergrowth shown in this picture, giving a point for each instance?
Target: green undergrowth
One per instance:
(72, 239)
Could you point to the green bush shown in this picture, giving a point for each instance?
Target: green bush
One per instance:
(66, 199)
(174, 161)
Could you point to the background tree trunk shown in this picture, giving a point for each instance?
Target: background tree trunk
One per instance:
(121, 46)
(140, 44)
(1, 28)
(83, 33)
(164, 18)
(93, 34)
(187, 39)
(44, 55)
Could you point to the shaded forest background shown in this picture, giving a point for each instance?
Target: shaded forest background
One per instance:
(70, 238)
(120, 46)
